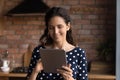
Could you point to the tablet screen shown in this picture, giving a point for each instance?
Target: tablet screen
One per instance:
(52, 59)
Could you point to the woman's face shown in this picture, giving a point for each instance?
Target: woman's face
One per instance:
(58, 28)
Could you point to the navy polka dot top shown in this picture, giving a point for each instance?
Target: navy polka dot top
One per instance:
(75, 57)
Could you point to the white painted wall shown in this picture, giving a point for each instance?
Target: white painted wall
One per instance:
(118, 42)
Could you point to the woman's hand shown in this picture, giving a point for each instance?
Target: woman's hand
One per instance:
(38, 67)
(36, 70)
(66, 72)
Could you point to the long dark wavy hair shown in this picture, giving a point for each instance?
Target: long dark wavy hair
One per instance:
(45, 39)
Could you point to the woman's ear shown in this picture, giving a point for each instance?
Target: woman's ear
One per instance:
(68, 26)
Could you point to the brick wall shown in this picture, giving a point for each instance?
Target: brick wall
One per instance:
(92, 21)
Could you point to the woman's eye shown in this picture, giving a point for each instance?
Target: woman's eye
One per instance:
(60, 26)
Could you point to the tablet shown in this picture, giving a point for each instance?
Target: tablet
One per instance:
(52, 59)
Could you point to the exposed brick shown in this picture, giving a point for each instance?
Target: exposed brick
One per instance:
(21, 32)
(14, 27)
(87, 10)
(80, 21)
(98, 22)
(54, 2)
(87, 2)
(3, 46)
(102, 2)
(71, 2)
(13, 37)
(13, 51)
(10, 32)
(20, 22)
(76, 16)
(1, 32)
(96, 32)
(90, 17)
(92, 22)
(35, 37)
(83, 32)
(34, 22)
(90, 27)
(33, 32)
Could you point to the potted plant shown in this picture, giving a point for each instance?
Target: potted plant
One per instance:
(106, 52)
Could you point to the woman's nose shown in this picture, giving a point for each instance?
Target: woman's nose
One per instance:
(55, 30)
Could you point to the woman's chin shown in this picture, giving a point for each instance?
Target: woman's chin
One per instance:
(57, 40)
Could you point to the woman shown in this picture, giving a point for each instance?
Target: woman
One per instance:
(58, 35)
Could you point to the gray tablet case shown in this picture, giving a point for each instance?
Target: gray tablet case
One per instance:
(52, 59)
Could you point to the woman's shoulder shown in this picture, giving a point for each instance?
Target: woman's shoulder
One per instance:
(36, 49)
(77, 49)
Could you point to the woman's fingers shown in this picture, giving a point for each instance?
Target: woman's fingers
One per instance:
(66, 72)
(39, 66)
(67, 68)
(61, 71)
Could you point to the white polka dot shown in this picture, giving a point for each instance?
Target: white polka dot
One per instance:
(37, 50)
(41, 78)
(73, 62)
(80, 68)
(40, 47)
(50, 74)
(60, 77)
(75, 51)
(73, 69)
(29, 70)
(83, 51)
(71, 53)
(30, 64)
(75, 73)
(76, 67)
(83, 71)
(78, 54)
(53, 77)
(76, 60)
(34, 56)
(73, 56)
(83, 64)
(70, 59)
(66, 55)
(58, 74)
(83, 57)
(83, 77)
(43, 74)
(47, 77)
(80, 61)
(80, 74)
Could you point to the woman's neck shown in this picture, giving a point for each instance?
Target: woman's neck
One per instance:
(59, 45)
(64, 45)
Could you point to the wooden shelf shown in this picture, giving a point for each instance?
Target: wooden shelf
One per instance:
(91, 76)
(99, 71)
(2, 74)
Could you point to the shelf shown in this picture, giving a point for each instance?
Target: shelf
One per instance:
(90, 75)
